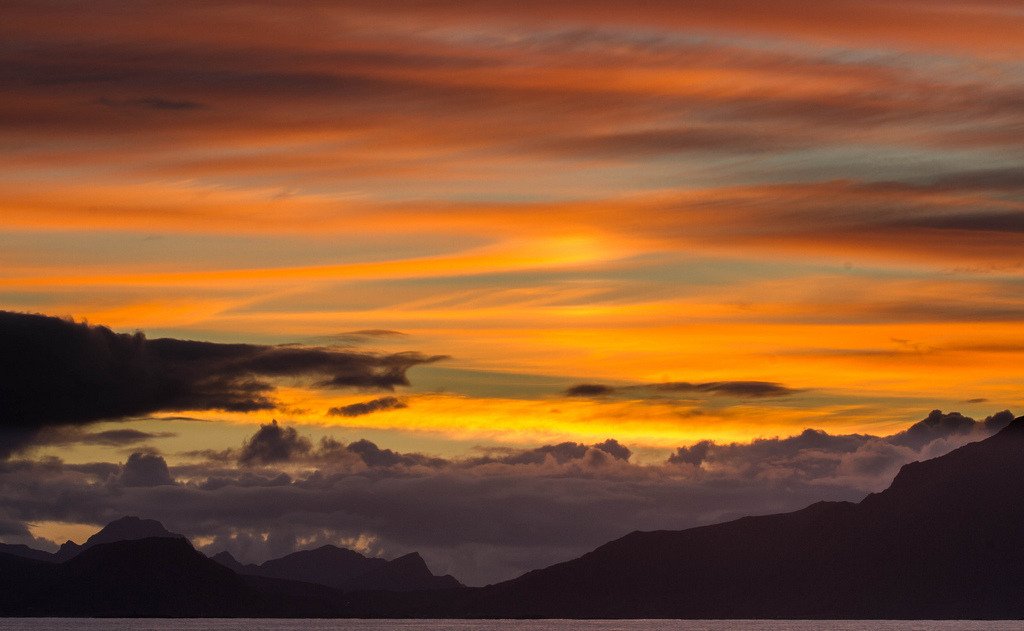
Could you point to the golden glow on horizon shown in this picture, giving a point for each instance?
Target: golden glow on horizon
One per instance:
(826, 196)
(660, 423)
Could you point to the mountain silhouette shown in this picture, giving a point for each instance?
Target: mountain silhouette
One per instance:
(20, 550)
(331, 566)
(407, 573)
(124, 529)
(127, 528)
(942, 542)
(227, 560)
(346, 570)
(155, 577)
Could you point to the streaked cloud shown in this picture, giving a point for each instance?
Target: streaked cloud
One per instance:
(633, 230)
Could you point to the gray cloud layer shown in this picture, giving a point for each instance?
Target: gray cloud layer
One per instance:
(484, 518)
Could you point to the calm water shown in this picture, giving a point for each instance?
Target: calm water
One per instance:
(84, 624)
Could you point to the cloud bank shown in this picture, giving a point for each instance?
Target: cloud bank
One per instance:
(482, 518)
(56, 372)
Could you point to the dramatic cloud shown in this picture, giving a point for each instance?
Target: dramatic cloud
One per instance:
(58, 372)
(542, 189)
(144, 469)
(382, 404)
(273, 443)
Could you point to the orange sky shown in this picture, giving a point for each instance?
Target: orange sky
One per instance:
(823, 196)
(497, 281)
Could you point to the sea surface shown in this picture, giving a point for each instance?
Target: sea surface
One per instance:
(115, 624)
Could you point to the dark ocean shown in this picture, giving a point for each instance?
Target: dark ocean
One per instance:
(90, 624)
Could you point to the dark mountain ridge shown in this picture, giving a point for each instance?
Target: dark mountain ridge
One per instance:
(127, 528)
(331, 566)
(124, 529)
(346, 570)
(944, 541)
(155, 577)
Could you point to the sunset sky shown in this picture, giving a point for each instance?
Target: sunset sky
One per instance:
(493, 236)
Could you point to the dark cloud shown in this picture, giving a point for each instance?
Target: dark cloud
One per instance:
(102, 471)
(123, 437)
(66, 435)
(560, 453)
(144, 469)
(15, 528)
(752, 389)
(614, 449)
(368, 407)
(482, 519)
(988, 179)
(58, 372)
(374, 456)
(589, 390)
(941, 426)
(695, 454)
(859, 459)
(745, 389)
(1008, 222)
(808, 454)
(281, 444)
(273, 443)
(997, 421)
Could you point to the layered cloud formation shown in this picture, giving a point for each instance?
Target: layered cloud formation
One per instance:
(487, 517)
(651, 237)
(822, 195)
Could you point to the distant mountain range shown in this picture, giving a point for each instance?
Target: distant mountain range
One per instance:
(346, 570)
(944, 541)
(136, 567)
(124, 529)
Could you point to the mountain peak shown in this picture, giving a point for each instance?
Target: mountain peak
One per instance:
(224, 556)
(410, 561)
(129, 528)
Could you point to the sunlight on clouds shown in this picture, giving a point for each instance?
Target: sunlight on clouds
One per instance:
(529, 192)
(656, 423)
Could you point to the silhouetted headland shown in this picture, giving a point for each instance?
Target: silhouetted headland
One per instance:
(942, 542)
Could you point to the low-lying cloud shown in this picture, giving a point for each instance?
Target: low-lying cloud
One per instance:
(482, 518)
